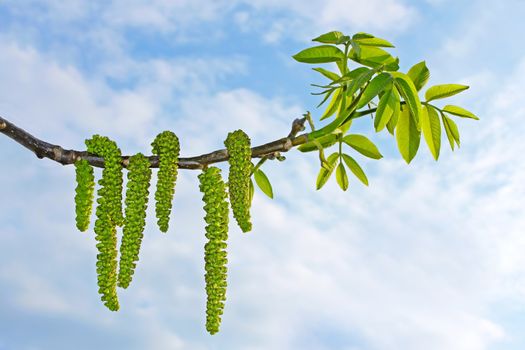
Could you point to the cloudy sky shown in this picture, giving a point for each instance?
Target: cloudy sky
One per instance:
(429, 256)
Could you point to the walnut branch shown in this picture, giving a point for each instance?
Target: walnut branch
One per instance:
(43, 149)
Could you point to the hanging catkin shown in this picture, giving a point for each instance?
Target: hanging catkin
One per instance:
(83, 193)
(166, 146)
(109, 215)
(238, 145)
(139, 176)
(215, 256)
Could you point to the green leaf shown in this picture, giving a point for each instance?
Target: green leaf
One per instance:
(324, 174)
(392, 123)
(325, 141)
(334, 37)
(385, 109)
(350, 75)
(345, 126)
(373, 89)
(341, 177)
(341, 64)
(330, 75)
(441, 91)
(333, 106)
(355, 169)
(320, 54)
(359, 82)
(374, 57)
(431, 128)
(252, 190)
(419, 74)
(408, 91)
(362, 35)
(373, 42)
(451, 129)
(326, 97)
(407, 135)
(264, 184)
(362, 145)
(356, 48)
(460, 112)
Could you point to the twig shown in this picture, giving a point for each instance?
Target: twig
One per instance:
(63, 156)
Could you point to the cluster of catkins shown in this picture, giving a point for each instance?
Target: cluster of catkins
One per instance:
(109, 211)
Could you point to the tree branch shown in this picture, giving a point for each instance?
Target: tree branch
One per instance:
(43, 149)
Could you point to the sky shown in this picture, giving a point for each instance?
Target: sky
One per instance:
(428, 256)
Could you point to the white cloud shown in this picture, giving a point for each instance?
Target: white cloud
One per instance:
(273, 20)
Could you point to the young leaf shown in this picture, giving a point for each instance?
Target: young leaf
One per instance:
(252, 190)
(373, 89)
(359, 82)
(374, 57)
(356, 48)
(355, 73)
(330, 75)
(326, 97)
(451, 129)
(325, 141)
(362, 35)
(320, 54)
(333, 106)
(408, 91)
(419, 74)
(355, 169)
(384, 111)
(460, 112)
(350, 75)
(374, 42)
(407, 135)
(324, 174)
(431, 128)
(341, 177)
(330, 38)
(264, 184)
(441, 91)
(392, 123)
(362, 145)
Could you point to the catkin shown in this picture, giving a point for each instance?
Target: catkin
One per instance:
(83, 193)
(109, 215)
(166, 146)
(238, 145)
(139, 176)
(215, 256)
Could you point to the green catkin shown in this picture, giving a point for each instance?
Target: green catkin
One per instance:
(238, 145)
(166, 146)
(139, 176)
(109, 215)
(84, 193)
(215, 256)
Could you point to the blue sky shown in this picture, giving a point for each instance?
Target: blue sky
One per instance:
(429, 256)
